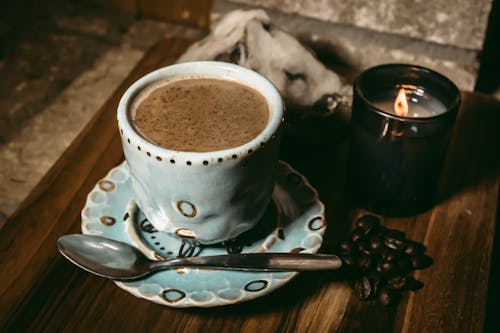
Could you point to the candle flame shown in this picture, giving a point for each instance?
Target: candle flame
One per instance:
(401, 104)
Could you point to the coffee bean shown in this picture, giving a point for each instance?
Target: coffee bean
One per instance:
(395, 244)
(368, 223)
(364, 248)
(404, 263)
(377, 261)
(357, 234)
(397, 282)
(413, 284)
(387, 296)
(348, 260)
(377, 284)
(375, 276)
(375, 243)
(346, 247)
(389, 254)
(421, 261)
(414, 248)
(364, 263)
(363, 288)
(388, 267)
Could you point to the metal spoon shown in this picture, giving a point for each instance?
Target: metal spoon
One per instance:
(121, 261)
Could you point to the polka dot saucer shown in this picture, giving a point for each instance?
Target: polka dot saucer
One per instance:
(294, 222)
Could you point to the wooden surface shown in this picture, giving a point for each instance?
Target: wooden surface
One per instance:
(190, 13)
(41, 291)
(193, 13)
(126, 5)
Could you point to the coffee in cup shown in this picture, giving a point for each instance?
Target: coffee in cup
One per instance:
(199, 114)
(209, 178)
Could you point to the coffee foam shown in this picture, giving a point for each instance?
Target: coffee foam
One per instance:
(145, 92)
(208, 137)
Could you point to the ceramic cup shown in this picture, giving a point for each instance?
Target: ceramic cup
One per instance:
(208, 196)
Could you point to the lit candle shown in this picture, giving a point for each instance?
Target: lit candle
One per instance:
(402, 118)
(410, 101)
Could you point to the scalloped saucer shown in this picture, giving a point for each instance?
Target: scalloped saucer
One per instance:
(294, 222)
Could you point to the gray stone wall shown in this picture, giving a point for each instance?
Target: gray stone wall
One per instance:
(460, 23)
(358, 48)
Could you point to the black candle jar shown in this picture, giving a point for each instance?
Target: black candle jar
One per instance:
(395, 161)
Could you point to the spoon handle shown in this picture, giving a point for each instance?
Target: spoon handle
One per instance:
(266, 262)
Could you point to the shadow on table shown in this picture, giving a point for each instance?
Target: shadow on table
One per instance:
(293, 295)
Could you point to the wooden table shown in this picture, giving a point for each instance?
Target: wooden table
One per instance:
(41, 291)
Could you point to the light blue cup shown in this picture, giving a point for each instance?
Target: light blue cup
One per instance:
(208, 196)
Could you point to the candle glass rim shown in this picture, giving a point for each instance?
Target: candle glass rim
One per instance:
(450, 107)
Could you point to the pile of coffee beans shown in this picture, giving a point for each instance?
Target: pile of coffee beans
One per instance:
(378, 261)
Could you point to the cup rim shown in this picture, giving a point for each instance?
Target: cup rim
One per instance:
(224, 70)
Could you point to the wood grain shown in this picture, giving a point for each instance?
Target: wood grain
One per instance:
(188, 13)
(41, 291)
(459, 231)
(191, 13)
(127, 5)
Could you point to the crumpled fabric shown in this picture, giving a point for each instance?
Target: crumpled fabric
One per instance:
(248, 38)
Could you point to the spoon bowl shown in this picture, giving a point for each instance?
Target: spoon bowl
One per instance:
(103, 256)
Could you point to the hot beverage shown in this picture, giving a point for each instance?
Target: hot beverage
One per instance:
(199, 114)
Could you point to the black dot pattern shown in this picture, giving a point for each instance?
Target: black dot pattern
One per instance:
(204, 162)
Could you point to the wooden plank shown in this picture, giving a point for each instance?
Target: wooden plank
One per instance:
(189, 13)
(127, 5)
(460, 230)
(192, 13)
